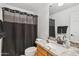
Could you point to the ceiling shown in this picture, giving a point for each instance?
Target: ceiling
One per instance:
(54, 8)
(28, 6)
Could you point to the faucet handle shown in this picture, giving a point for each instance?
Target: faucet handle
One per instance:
(72, 34)
(64, 37)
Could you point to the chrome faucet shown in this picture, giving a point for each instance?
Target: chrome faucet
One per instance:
(61, 40)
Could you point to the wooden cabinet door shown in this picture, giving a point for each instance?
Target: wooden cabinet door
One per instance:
(40, 54)
(41, 51)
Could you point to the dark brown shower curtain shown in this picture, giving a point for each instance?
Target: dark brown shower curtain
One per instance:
(20, 31)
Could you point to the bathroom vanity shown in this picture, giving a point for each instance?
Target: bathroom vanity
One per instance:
(41, 51)
(45, 49)
(54, 49)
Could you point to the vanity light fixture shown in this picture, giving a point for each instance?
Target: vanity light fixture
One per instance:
(50, 4)
(56, 4)
(60, 4)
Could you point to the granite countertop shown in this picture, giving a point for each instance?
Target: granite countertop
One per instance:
(58, 50)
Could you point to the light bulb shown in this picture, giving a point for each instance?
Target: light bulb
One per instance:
(60, 4)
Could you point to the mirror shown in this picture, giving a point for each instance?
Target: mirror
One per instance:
(66, 21)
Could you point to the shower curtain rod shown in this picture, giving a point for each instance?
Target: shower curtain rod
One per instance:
(17, 11)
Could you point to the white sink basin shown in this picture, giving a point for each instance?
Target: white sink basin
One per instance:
(60, 50)
(56, 47)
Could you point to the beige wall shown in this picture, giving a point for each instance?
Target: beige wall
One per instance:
(43, 22)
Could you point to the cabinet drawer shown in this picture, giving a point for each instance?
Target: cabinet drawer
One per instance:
(42, 51)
